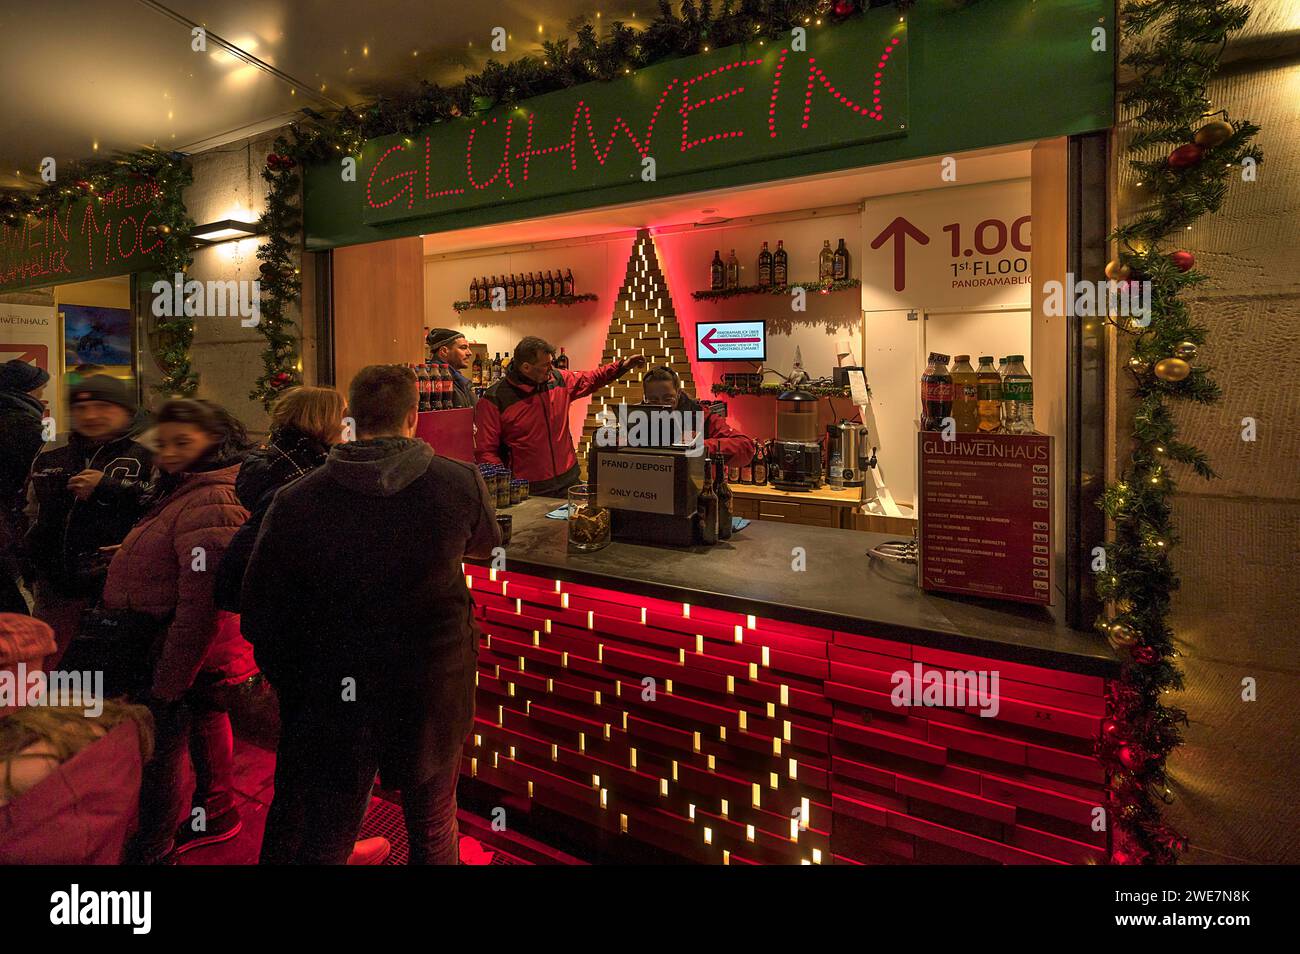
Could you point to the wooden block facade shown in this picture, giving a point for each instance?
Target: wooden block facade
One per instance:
(643, 322)
(732, 739)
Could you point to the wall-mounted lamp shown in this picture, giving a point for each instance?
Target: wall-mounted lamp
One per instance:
(214, 233)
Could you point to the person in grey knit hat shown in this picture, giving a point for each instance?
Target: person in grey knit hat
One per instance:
(451, 348)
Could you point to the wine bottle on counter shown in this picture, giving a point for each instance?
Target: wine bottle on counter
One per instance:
(760, 461)
(826, 264)
(568, 283)
(562, 360)
(717, 272)
(841, 269)
(723, 491)
(733, 270)
(780, 266)
(764, 268)
(706, 514)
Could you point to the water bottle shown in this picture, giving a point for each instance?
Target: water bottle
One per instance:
(1018, 397)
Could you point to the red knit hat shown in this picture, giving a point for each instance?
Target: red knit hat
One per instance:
(24, 639)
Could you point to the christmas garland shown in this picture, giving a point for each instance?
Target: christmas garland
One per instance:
(1173, 63)
(823, 288)
(774, 390)
(694, 28)
(169, 174)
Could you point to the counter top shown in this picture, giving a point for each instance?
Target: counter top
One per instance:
(842, 588)
(847, 497)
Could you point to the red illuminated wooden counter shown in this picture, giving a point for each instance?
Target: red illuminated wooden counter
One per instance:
(722, 706)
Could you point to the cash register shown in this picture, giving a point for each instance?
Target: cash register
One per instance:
(648, 473)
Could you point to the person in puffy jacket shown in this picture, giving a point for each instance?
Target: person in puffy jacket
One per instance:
(522, 421)
(166, 568)
(21, 437)
(305, 423)
(662, 386)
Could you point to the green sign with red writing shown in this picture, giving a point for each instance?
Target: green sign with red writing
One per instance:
(881, 87)
(93, 237)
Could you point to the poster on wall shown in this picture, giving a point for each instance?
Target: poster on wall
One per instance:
(31, 333)
(960, 247)
(96, 335)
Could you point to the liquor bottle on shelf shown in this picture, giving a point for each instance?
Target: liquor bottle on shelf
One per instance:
(989, 387)
(548, 285)
(965, 395)
(723, 492)
(826, 264)
(473, 291)
(496, 367)
(936, 392)
(717, 272)
(512, 289)
(733, 270)
(764, 268)
(706, 514)
(476, 369)
(1018, 397)
(568, 283)
(484, 290)
(562, 360)
(840, 269)
(780, 266)
(538, 292)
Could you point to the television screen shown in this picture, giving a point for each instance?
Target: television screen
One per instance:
(731, 341)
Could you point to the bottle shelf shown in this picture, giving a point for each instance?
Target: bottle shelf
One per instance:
(774, 390)
(824, 288)
(560, 300)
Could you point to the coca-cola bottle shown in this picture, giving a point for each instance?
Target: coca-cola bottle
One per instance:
(422, 383)
(936, 392)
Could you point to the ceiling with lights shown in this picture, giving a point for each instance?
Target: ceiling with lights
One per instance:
(89, 77)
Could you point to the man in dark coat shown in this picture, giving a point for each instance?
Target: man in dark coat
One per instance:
(357, 609)
(21, 437)
(451, 348)
(84, 496)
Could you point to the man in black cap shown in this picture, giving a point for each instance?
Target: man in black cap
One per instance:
(85, 496)
(21, 413)
(451, 348)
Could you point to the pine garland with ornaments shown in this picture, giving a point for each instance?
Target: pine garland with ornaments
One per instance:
(1184, 158)
(279, 275)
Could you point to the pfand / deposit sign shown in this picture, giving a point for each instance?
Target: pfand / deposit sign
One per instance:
(826, 89)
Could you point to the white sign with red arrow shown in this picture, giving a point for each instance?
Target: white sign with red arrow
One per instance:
(961, 246)
(731, 341)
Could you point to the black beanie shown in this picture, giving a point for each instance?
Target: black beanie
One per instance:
(18, 375)
(440, 337)
(101, 387)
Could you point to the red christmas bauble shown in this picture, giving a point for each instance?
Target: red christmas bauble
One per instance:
(1145, 655)
(1184, 260)
(1110, 729)
(83, 185)
(844, 7)
(1132, 756)
(1185, 156)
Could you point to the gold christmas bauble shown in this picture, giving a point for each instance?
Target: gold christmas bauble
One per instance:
(1172, 369)
(1117, 271)
(1187, 350)
(1138, 364)
(1214, 133)
(1122, 636)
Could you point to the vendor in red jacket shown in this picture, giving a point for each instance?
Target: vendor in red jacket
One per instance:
(662, 386)
(522, 421)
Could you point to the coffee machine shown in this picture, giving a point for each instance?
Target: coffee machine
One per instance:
(796, 454)
(849, 440)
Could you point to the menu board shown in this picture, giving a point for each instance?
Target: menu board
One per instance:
(986, 515)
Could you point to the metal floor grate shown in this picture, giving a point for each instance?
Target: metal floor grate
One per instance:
(384, 820)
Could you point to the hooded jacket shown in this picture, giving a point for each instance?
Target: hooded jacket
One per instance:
(167, 568)
(356, 581)
(525, 426)
(67, 533)
(289, 455)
